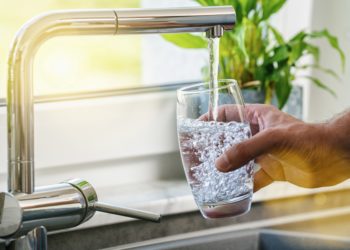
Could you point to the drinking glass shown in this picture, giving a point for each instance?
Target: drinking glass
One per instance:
(203, 139)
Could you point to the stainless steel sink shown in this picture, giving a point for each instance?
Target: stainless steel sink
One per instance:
(246, 240)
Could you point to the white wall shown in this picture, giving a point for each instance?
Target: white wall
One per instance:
(293, 17)
(333, 15)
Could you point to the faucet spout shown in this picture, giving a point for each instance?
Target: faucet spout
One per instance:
(215, 32)
(33, 34)
(175, 20)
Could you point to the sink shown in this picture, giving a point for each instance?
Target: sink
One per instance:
(246, 240)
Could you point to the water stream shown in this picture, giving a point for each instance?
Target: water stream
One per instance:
(213, 46)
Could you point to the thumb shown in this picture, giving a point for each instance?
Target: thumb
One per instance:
(240, 154)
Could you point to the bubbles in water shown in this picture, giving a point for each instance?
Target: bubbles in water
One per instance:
(204, 142)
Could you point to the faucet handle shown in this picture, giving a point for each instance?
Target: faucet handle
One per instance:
(92, 203)
(125, 211)
(36, 239)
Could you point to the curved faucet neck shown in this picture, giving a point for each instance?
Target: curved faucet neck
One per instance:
(20, 100)
(82, 22)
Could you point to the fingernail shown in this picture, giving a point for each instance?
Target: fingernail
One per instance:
(222, 163)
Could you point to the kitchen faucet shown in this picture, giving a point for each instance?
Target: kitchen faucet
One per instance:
(26, 208)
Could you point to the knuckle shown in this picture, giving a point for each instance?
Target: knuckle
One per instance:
(276, 134)
(241, 151)
(270, 132)
(273, 108)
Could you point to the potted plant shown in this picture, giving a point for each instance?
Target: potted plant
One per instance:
(257, 55)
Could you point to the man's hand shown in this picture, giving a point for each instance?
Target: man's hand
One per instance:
(287, 149)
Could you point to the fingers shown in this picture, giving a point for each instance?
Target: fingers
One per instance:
(261, 179)
(272, 167)
(227, 113)
(270, 170)
(252, 112)
(240, 154)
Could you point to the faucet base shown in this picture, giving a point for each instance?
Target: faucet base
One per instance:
(34, 240)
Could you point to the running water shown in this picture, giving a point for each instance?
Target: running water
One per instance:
(213, 45)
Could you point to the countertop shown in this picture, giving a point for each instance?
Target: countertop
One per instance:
(174, 197)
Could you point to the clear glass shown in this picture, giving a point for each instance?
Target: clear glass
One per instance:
(202, 141)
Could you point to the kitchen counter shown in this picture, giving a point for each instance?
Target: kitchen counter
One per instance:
(318, 211)
(174, 197)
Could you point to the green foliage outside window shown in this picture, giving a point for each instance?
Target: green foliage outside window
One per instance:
(257, 55)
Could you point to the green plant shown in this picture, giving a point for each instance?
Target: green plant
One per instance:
(257, 55)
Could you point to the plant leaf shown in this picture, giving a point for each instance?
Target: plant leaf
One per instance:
(283, 86)
(247, 6)
(270, 7)
(252, 40)
(280, 53)
(204, 2)
(325, 70)
(333, 41)
(278, 36)
(297, 47)
(239, 10)
(321, 85)
(187, 41)
(298, 36)
(239, 36)
(314, 51)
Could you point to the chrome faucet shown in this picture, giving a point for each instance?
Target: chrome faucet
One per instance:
(70, 203)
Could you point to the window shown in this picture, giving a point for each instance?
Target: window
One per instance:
(109, 61)
(88, 63)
